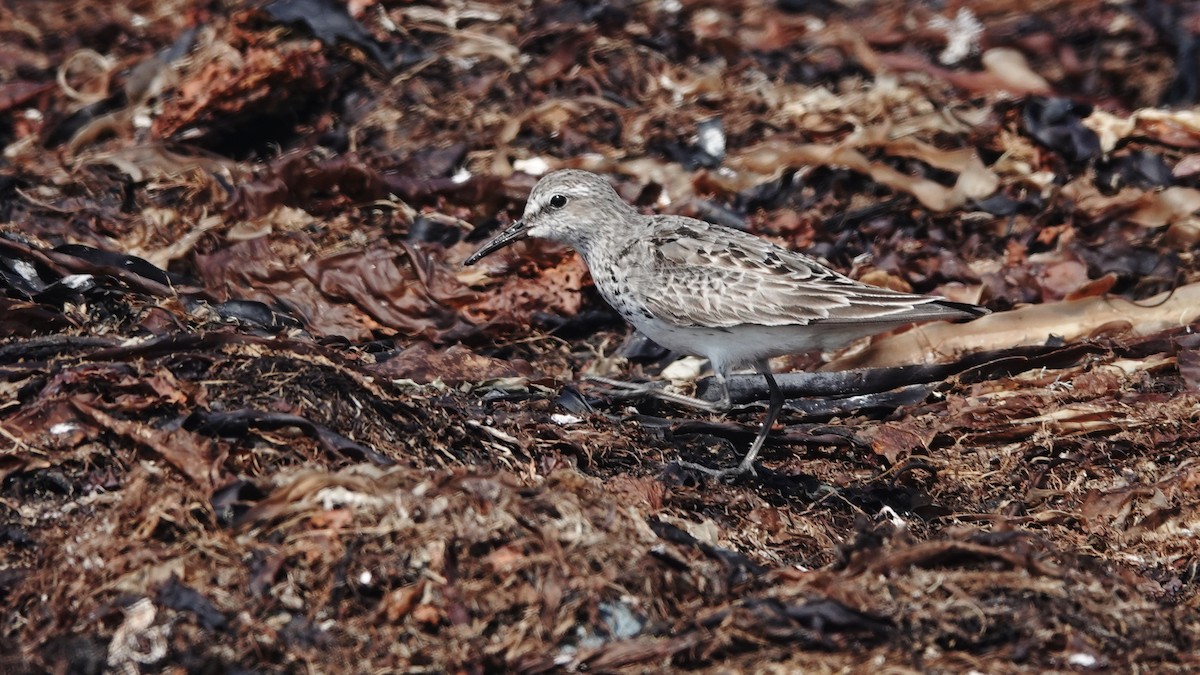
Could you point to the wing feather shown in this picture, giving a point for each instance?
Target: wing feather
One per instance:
(700, 275)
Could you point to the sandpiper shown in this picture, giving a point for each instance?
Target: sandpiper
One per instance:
(709, 290)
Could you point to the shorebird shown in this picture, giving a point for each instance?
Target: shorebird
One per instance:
(712, 291)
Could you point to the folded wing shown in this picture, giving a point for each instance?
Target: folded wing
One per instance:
(722, 278)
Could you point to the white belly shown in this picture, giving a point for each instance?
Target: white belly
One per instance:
(746, 345)
(725, 347)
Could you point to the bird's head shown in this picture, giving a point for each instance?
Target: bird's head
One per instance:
(569, 206)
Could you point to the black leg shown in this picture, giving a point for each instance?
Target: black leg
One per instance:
(724, 403)
(773, 409)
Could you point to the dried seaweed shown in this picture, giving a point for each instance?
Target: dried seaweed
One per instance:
(254, 416)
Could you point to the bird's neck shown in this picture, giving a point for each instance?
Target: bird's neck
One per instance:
(609, 233)
(601, 246)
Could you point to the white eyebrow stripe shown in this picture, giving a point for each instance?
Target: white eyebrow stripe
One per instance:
(532, 210)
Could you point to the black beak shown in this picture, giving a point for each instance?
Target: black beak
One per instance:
(515, 232)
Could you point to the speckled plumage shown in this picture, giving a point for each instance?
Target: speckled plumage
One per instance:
(709, 290)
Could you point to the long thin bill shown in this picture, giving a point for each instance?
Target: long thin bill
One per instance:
(514, 232)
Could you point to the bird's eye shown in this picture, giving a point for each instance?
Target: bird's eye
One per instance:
(558, 201)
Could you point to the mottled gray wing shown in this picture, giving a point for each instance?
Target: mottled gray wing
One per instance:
(702, 275)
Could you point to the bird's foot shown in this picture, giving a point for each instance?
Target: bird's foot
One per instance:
(631, 390)
(720, 474)
(621, 389)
